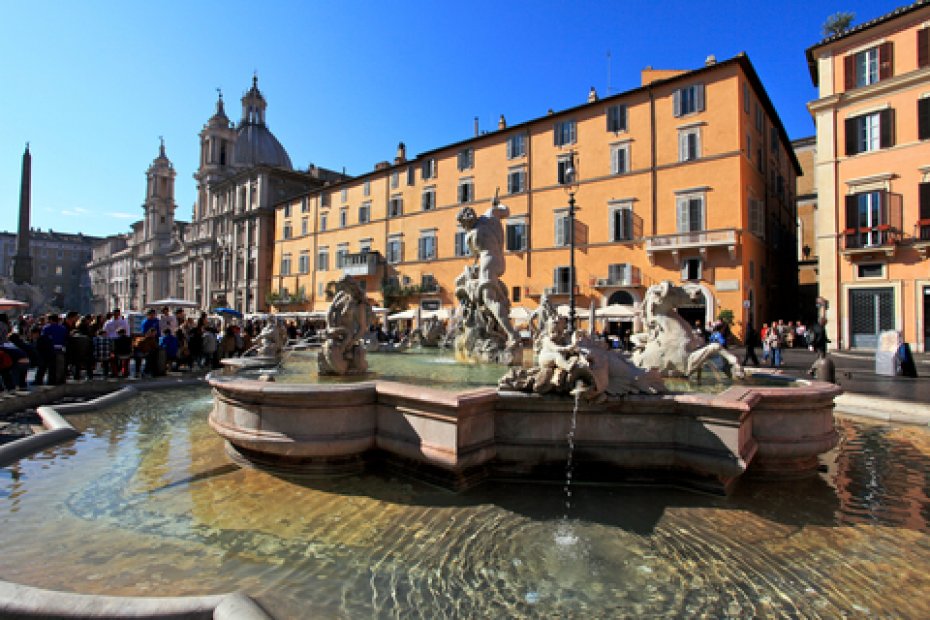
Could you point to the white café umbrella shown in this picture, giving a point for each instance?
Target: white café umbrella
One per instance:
(406, 315)
(616, 312)
(172, 302)
(12, 304)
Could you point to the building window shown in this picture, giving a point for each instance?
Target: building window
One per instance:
(923, 223)
(461, 248)
(691, 269)
(364, 246)
(342, 250)
(366, 188)
(344, 195)
(564, 163)
(923, 117)
(760, 118)
(343, 218)
(58, 270)
(324, 220)
(466, 159)
(562, 229)
(746, 98)
(516, 146)
(516, 293)
(870, 132)
(516, 236)
(870, 219)
(616, 118)
(923, 47)
(757, 218)
(322, 259)
(303, 262)
(621, 222)
(689, 144)
(59, 254)
(561, 280)
(466, 190)
(688, 100)
(428, 169)
(288, 233)
(428, 199)
(869, 66)
(516, 180)
(286, 265)
(396, 206)
(565, 132)
(748, 146)
(304, 205)
(287, 210)
(871, 270)
(304, 226)
(426, 248)
(620, 158)
(364, 213)
(395, 179)
(690, 209)
(411, 175)
(395, 250)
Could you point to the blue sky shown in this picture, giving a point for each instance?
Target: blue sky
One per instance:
(92, 85)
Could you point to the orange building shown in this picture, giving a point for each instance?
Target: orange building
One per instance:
(805, 150)
(872, 167)
(689, 177)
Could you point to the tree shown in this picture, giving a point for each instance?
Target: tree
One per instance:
(838, 23)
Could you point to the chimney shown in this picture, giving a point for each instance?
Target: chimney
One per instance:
(710, 60)
(401, 156)
(476, 126)
(592, 95)
(501, 122)
(381, 165)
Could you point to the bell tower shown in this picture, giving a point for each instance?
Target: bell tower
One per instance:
(217, 146)
(159, 199)
(253, 105)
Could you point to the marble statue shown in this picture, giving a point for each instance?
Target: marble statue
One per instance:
(270, 341)
(347, 323)
(669, 345)
(580, 366)
(540, 318)
(485, 333)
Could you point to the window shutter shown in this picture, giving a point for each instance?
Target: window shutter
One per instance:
(885, 60)
(676, 103)
(849, 70)
(886, 127)
(925, 201)
(682, 215)
(621, 117)
(851, 138)
(923, 47)
(556, 138)
(923, 118)
(572, 132)
(699, 97)
(510, 148)
(682, 146)
(852, 211)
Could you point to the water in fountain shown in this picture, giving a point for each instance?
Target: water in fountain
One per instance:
(565, 534)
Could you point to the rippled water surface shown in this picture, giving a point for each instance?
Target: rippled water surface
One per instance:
(146, 502)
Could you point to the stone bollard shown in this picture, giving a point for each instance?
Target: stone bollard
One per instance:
(824, 370)
(160, 358)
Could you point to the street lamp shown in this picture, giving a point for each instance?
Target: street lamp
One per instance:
(571, 184)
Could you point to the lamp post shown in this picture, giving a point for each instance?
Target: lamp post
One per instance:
(570, 184)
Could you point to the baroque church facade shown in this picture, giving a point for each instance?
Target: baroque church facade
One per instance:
(222, 257)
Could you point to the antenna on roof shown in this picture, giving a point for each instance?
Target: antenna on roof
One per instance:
(608, 73)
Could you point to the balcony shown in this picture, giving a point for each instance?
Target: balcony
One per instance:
(701, 240)
(922, 237)
(361, 264)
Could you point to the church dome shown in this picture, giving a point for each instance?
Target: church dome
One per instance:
(256, 145)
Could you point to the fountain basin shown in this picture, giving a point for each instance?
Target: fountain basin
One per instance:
(461, 438)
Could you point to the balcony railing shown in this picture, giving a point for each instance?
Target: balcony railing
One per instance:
(629, 275)
(694, 239)
(863, 238)
(361, 264)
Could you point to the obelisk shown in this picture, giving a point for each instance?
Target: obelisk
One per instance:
(22, 261)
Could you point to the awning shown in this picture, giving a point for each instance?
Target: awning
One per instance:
(173, 303)
(11, 304)
(616, 311)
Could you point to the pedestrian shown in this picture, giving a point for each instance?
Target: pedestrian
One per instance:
(773, 339)
(906, 359)
(122, 353)
(169, 342)
(752, 341)
(763, 336)
(818, 337)
(103, 352)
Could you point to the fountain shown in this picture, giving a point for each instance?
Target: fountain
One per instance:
(628, 423)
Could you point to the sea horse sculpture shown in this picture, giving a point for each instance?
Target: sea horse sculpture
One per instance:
(668, 343)
(347, 322)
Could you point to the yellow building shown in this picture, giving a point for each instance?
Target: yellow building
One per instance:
(872, 167)
(689, 177)
(805, 150)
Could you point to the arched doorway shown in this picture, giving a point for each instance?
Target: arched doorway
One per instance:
(697, 311)
(621, 298)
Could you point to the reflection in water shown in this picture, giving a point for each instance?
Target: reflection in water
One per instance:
(146, 502)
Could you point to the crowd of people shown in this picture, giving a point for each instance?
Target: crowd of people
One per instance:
(59, 347)
(774, 338)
